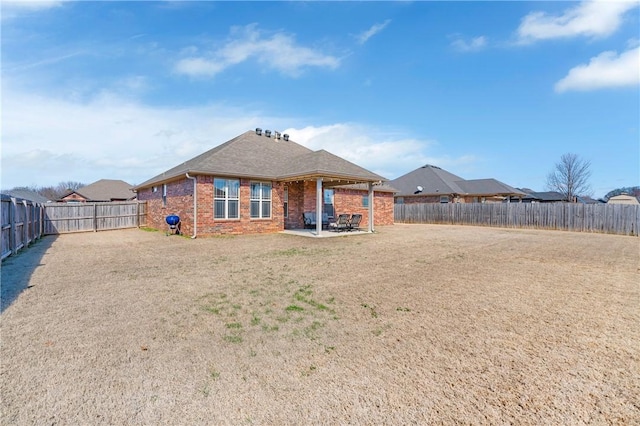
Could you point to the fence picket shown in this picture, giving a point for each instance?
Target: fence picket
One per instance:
(604, 218)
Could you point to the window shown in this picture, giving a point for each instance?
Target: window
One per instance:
(154, 189)
(444, 199)
(400, 200)
(365, 201)
(226, 198)
(328, 202)
(260, 200)
(164, 195)
(286, 201)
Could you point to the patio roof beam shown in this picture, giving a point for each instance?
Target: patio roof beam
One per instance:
(319, 199)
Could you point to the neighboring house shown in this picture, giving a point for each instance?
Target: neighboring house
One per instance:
(103, 190)
(431, 184)
(542, 197)
(588, 200)
(261, 182)
(623, 199)
(26, 194)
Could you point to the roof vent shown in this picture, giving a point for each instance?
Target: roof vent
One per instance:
(285, 137)
(258, 131)
(276, 134)
(267, 133)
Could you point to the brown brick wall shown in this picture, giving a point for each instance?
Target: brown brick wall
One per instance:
(302, 197)
(180, 202)
(350, 201)
(296, 205)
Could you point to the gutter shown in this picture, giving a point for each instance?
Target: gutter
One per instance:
(195, 205)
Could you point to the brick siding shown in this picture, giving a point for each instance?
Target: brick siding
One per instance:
(302, 197)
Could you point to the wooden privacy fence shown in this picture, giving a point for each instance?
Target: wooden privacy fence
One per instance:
(22, 223)
(62, 218)
(606, 218)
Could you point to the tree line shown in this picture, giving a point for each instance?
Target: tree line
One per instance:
(54, 192)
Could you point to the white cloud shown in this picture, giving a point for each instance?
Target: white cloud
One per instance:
(375, 29)
(383, 152)
(589, 18)
(606, 70)
(14, 8)
(475, 44)
(47, 140)
(278, 51)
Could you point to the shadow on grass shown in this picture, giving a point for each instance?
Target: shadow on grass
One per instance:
(17, 270)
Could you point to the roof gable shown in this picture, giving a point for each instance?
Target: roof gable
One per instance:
(487, 186)
(432, 180)
(105, 190)
(324, 163)
(257, 156)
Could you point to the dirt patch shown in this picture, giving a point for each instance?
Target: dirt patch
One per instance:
(414, 324)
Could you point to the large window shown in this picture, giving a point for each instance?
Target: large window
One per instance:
(226, 198)
(260, 200)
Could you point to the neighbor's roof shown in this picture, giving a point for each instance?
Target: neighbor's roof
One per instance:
(26, 194)
(547, 196)
(436, 181)
(105, 190)
(487, 186)
(251, 155)
(432, 179)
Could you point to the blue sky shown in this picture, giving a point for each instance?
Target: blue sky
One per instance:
(126, 90)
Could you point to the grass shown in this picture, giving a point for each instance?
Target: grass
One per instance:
(259, 307)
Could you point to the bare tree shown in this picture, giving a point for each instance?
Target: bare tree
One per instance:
(63, 187)
(570, 177)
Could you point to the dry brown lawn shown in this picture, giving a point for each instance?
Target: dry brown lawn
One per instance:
(416, 324)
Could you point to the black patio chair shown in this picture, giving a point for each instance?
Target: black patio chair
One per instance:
(341, 223)
(354, 222)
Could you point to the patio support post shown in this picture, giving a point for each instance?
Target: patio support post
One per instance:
(319, 200)
(370, 228)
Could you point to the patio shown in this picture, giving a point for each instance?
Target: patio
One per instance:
(325, 233)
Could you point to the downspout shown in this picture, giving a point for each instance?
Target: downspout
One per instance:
(195, 205)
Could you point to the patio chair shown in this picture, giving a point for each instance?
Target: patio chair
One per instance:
(309, 219)
(341, 224)
(325, 220)
(354, 222)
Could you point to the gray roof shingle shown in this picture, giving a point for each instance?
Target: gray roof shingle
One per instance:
(258, 156)
(106, 190)
(436, 181)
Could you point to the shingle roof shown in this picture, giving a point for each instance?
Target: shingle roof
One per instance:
(436, 181)
(432, 179)
(486, 187)
(547, 196)
(256, 156)
(26, 194)
(106, 190)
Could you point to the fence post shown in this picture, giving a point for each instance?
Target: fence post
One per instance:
(12, 227)
(25, 227)
(95, 217)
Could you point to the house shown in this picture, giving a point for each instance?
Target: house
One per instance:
(623, 199)
(26, 194)
(542, 197)
(103, 190)
(431, 184)
(260, 182)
